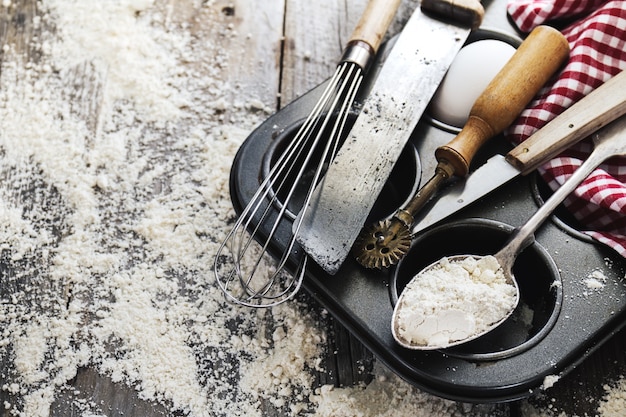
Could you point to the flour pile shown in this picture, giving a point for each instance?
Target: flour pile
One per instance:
(454, 300)
(614, 402)
(117, 133)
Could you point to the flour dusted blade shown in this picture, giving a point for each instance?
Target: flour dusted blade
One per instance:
(411, 74)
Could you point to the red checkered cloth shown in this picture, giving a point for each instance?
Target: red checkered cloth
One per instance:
(597, 38)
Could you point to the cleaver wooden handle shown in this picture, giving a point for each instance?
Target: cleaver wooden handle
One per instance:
(597, 109)
(539, 56)
(374, 23)
(467, 12)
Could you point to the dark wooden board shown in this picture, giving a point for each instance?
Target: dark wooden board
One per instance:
(297, 45)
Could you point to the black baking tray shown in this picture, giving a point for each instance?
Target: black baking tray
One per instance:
(560, 321)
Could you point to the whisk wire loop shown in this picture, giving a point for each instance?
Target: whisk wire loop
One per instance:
(240, 277)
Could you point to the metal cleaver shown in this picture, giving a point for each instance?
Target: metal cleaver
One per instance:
(600, 107)
(418, 62)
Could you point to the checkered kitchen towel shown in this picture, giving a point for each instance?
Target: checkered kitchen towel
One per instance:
(597, 38)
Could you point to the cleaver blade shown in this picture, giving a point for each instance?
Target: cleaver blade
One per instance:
(600, 107)
(412, 71)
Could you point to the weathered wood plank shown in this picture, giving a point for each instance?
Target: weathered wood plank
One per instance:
(315, 35)
(94, 394)
(18, 28)
(237, 43)
(244, 40)
(248, 51)
(240, 50)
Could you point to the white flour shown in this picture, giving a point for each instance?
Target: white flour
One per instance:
(596, 280)
(116, 141)
(614, 402)
(453, 301)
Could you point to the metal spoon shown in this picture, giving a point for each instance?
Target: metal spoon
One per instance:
(608, 141)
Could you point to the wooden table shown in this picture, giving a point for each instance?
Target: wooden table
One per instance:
(295, 46)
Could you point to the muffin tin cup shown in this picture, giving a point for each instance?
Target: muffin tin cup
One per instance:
(561, 217)
(538, 278)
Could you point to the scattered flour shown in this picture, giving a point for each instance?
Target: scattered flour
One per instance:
(549, 381)
(387, 395)
(596, 280)
(117, 134)
(447, 303)
(614, 402)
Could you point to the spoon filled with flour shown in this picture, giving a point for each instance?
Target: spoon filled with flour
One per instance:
(454, 300)
(462, 297)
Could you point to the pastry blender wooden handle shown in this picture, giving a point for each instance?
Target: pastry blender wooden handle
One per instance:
(539, 56)
(469, 13)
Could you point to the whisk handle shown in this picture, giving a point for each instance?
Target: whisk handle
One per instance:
(374, 23)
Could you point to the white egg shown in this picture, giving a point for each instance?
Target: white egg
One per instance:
(472, 70)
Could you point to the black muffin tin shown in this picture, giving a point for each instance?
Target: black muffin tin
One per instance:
(560, 320)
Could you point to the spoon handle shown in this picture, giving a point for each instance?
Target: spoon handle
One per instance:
(608, 141)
